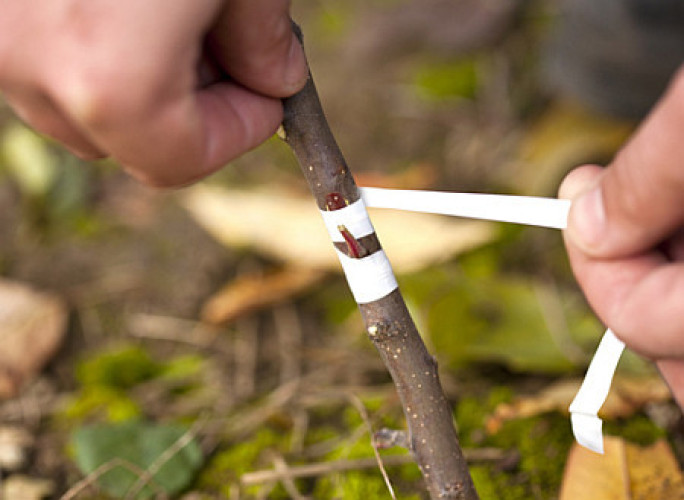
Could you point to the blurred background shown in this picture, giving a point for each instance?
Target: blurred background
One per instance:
(202, 343)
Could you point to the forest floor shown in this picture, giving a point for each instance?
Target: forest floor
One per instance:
(158, 344)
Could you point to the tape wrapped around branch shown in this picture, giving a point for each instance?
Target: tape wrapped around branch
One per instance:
(370, 277)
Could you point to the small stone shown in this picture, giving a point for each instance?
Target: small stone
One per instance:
(15, 443)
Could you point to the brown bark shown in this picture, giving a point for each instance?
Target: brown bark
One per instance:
(432, 437)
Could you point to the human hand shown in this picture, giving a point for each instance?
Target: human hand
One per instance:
(137, 81)
(625, 237)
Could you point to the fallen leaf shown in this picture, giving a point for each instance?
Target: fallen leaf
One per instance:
(627, 396)
(162, 451)
(599, 477)
(255, 291)
(567, 135)
(501, 319)
(289, 229)
(32, 326)
(624, 472)
(654, 472)
(630, 394)
(556, 397)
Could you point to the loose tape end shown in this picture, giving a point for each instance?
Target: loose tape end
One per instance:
(588, 431)
(586, 426)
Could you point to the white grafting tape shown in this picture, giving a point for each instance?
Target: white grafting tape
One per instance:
(530, 210)
(370, 278)
(354, 217)
(544, 212)
(588, 431)
(586, 426)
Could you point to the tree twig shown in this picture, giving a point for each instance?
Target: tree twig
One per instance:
(433, 439)
(330, 467)
(361, 408)
(319, 469)
(103, 469)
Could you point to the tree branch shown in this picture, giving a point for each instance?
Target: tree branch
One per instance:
(433, 439)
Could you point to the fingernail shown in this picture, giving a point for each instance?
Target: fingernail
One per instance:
(296, 72)
(587, 222)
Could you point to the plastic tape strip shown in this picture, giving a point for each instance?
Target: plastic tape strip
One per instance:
(586, 426)
(530, 210)
(370, 278)
(354, 217)
(545, 212)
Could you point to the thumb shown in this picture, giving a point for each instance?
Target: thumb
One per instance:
(254, 43)
(638, 199)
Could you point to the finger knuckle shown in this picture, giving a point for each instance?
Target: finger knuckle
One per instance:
(100, 96)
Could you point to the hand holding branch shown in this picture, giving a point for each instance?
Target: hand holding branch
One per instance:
(171, 90)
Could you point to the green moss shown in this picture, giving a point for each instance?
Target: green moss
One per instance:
(183, 367)
(183, 374)
(471, 413)
(361, 448)
(356, 485)
(455, 79)
(491, 484)
(542, 443)
(107, 380)
(111, 405)
(122, 369)
(349, 446)
(352, 485)
(225, 467)
(638, 429)
(320, 434)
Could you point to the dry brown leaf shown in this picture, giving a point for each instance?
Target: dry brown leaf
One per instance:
(289, 229)
(596, 477)
(251, 292)
(627, 395)
(630, 394)
(624, 472)
(566, 136)
(654, 472)
(32, 326)
(557, 396)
